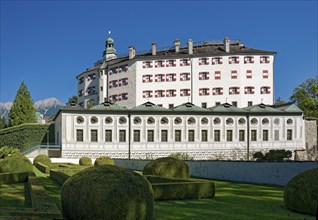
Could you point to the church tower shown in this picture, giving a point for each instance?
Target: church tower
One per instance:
(109, 52)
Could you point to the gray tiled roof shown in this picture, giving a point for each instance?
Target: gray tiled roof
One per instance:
(108, 106)
(227, 108)
(149, 106)
(189, 107)
(288, 107)
(261, 108)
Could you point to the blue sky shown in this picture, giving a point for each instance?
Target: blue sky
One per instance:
(48, 43)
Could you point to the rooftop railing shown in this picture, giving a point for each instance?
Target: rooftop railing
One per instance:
(168, 48)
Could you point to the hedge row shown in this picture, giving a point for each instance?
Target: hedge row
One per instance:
(26, 136)
(11, 178)
(42, 205)
(178, 189)
(42, 167)
(60, 176)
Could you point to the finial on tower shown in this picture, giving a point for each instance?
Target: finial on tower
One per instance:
(109, 32)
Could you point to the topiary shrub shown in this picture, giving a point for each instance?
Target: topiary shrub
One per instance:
(42, 159)
(167, 167)
(85, 161)
(104, 160)
(6, 151)
(301, 192)
(15, 163)
(107, 192)
(181, 156)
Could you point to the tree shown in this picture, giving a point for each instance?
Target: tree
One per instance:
(306, 97)
(279, 101)
(3, 123)
(72, 99)
(22, 110)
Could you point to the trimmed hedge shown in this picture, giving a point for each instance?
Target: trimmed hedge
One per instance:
(178, 189)
(11, 178)
(85, 161)
(26, 136)
(60, 176)
(42, 158)
(301, 193)
(42, 167)
(15, 163)
(104, 160)
(167, 167)
(107, 192)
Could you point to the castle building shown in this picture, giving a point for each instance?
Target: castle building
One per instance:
(211, 100)
(204, 73)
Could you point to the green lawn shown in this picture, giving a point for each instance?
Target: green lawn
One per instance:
(12, 195)
(232, 201)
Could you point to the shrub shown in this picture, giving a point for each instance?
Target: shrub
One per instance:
(107, 192)
(44, 159)
(15, 163)
(181, 156)
(273, 155)
(104, 160)
(85, 161)
(6, 151)
(301, 192)
(167, 167)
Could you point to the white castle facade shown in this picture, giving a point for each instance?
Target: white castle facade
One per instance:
(211, 100)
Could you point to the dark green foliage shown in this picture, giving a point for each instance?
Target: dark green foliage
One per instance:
(181, 156)
(167, 167)
(85, 161)
(104, 160)
(11, 178)
(15, 163)
(44, 159)
(22, 110)
(72, 100)
(3, 123)
(306, 97)
(24, 136)
(61, 175)
(6, 151)
(273, 155)
(301, 193)
(107, 192)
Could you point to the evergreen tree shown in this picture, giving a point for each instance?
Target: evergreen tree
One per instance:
(22, 110)
(3, 123)
(72, 100)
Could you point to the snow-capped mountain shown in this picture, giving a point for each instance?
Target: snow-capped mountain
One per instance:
(47, 107)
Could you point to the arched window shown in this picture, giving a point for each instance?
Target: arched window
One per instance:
(108, 120)
(217, 121)
(122, 120)
(137, 120)
(94, 120)
(191, 121)
(177, 120)
(164, 120)
(204, 121)
(80, 120)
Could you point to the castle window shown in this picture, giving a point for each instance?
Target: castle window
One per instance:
(203, 75)
(265, 74)
(147, 64)
(248, 74)
(108, 135)
(184, 92)
(204, 61)
(170, 63)
(160, 93)
(137, 120)
(191, 135)
(265, 90)
(217, 60)
(204, 135)
(204, 105)
(184, 76)
(217, 91)
(276, 135)
(160, 77)
(249, 90)
(253, 135)
(265, 121)
(164, 120)
(150, 121)
(136, 135)
(171, 92)
(248, 59)
(289, 121)
(264, 59)
(265, 135)
(146, 78)
(122, 135)
(122, 120)
(241, 135)
(80, 120)
(217, 135)
(171, 106)
(217, 75)
(150, 135)
(250, 103)
(289, 135)
(178, 121)
(234, 74)
(80, 93)
(93, 135)
(79, 135)
(233, 60)
(159, 63)
(185, 62)
(177, 135)
(254, 121)
(204, 91)
(81, 80)
(234, 104)
(191, 121)
(229, 135)
(229, 121)
(124, 96)
(164, 135)
(217, 121)
(204, 121)
(147, 94)
(234, 91)
(94, 120)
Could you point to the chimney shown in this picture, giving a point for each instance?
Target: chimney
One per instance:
(227, 45)
(190, 46)
(154, 48)
(177, 45)
(132, 52)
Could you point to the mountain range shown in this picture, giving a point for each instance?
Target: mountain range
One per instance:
(47, 107)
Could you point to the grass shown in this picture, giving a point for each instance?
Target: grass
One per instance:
(232, 201)
(12, 195)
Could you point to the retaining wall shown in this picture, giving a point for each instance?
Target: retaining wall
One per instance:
(273, 173)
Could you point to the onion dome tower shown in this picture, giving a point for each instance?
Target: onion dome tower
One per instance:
(109, 52)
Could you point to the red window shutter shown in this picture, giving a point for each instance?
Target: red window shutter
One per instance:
(174, 63)
(150, 78)
(245, 59)
(188, 62)
(207, 61)
(174, 92)
(181, 78)
(267, 60)
(261, 59)
(200, 76)
(252, 59)
(213, 61)
(207, 75)
(237, 60)
(221, 60)
(180, 62)
(253, 89)
(156, 64)
(119, 82)
(151, 64)
(230, 60)
(119, 69)
(230, 90)
(245, 90)
(143, 79)
(207, 91)
(144, 64)
(174, 77)
(200, 92)
(200, 61)
(156, 78)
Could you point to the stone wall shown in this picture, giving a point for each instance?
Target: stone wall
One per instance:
(311, 133)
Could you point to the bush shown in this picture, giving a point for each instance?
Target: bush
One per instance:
(44, 159)
(167, 167)
(85, 161)
(6, 151)
(26, 136)
(107, 192)
(104, 160)
(15, 163)
(273, 155)
(42, 167)
(181, 156)
(301, 192)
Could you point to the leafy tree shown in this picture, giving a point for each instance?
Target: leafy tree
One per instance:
(22, 110)
(306, 97)
(273, 155)
(72, 99)
(279, 101)
(3, 123)
(181, 156)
